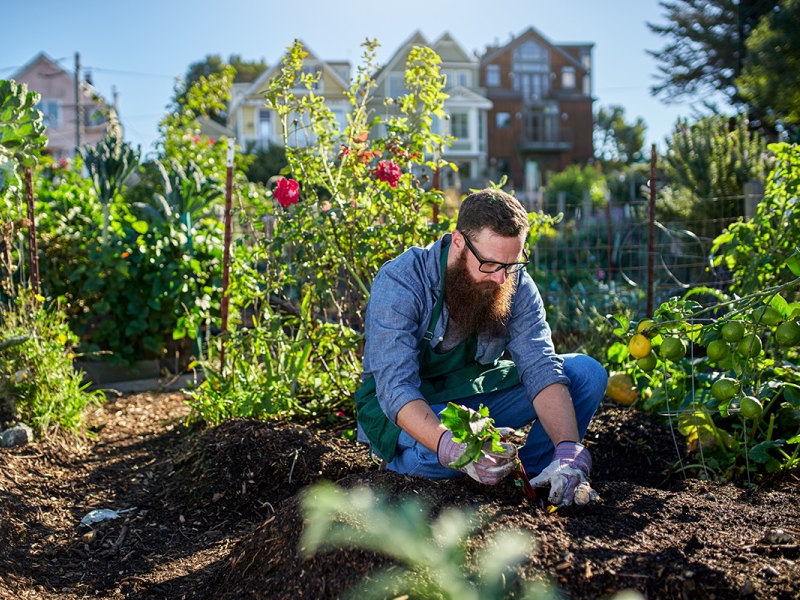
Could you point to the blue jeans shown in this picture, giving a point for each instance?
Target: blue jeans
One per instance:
(513, 408)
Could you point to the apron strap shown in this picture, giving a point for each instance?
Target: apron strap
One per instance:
(437, 308)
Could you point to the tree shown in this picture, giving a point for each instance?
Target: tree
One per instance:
(616, 142)
(770, 81)
(706, 45)
(714, 158)
(245, 72)
(266, 163)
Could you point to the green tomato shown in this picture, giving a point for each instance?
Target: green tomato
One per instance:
(717, 350)
(749, 346)
(732, 331)
(725, 388)
(767, 315)
(787, 334)
(750, 407)
(673, 349)
(648, 363)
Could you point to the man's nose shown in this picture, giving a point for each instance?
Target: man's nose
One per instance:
(499, 277)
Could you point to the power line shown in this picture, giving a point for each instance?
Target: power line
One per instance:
(134, 73)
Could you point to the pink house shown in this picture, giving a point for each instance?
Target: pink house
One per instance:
(57, 103)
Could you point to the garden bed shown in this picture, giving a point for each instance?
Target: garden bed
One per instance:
(215, 513)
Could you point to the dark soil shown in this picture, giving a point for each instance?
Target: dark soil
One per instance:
(214, 513)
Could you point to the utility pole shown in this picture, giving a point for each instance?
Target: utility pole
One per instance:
(78, 105)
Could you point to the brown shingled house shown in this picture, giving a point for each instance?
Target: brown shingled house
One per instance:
(541, 116)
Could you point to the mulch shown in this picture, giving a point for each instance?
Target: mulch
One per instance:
(216, 513)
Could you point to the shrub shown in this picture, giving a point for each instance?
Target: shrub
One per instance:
(36, 375)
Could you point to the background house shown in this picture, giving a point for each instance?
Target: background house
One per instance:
(57, 88)
(256, 125)
(467, 107)
(541, 119)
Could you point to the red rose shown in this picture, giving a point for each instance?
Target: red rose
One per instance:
(389, 172)
(286, 192)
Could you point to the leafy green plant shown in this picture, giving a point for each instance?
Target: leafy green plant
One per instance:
(278, 368)
(21, 128)
(432, 556)
(473, 428)
(755, 251)
(110, 164)
(737, 406)
(36, 373)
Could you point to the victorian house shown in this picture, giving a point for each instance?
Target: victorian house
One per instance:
(466, 108)
(255, 125)
(541, 115)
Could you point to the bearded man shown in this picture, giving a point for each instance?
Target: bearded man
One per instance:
(440, 324)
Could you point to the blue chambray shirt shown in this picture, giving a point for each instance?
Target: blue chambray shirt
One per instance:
(398, 314)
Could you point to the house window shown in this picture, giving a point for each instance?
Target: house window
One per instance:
(531, 71)
(586, 60)
(587, 85)
(503, 167)
(397, 86)
(503, 120)
(568, 78)
(460, 123)
(264, 126)
(493, 75)
(51, 112)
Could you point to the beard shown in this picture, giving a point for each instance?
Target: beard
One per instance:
(477, 308)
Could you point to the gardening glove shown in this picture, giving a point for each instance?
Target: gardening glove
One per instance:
(489, 469)
(568, 476)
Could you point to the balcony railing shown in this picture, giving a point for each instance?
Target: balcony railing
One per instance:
(544, 132)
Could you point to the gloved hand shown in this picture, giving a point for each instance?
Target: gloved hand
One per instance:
(568, 476)
(489, 469)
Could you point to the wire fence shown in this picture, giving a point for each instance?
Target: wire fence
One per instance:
(597, 258)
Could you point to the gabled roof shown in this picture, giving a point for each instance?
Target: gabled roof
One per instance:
(462, 95)
(88, 88)
(533, 32)
(416, 39)
(450, 51)
(258, 86)
(43, 57)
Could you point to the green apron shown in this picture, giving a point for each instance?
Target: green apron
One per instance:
(447, 377)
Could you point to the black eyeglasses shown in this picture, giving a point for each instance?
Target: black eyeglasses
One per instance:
(490, 266)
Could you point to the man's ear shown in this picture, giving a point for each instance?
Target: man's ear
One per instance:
(458, 240)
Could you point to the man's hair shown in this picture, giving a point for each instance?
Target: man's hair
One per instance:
(495, 210)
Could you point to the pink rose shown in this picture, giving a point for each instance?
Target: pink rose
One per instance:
(286, 192)
(388, 172)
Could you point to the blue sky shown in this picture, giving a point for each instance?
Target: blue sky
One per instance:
(141, 48)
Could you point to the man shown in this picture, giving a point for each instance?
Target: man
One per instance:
(438, 321)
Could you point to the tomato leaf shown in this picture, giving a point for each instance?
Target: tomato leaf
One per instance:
(793, 262)
(624, 324)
